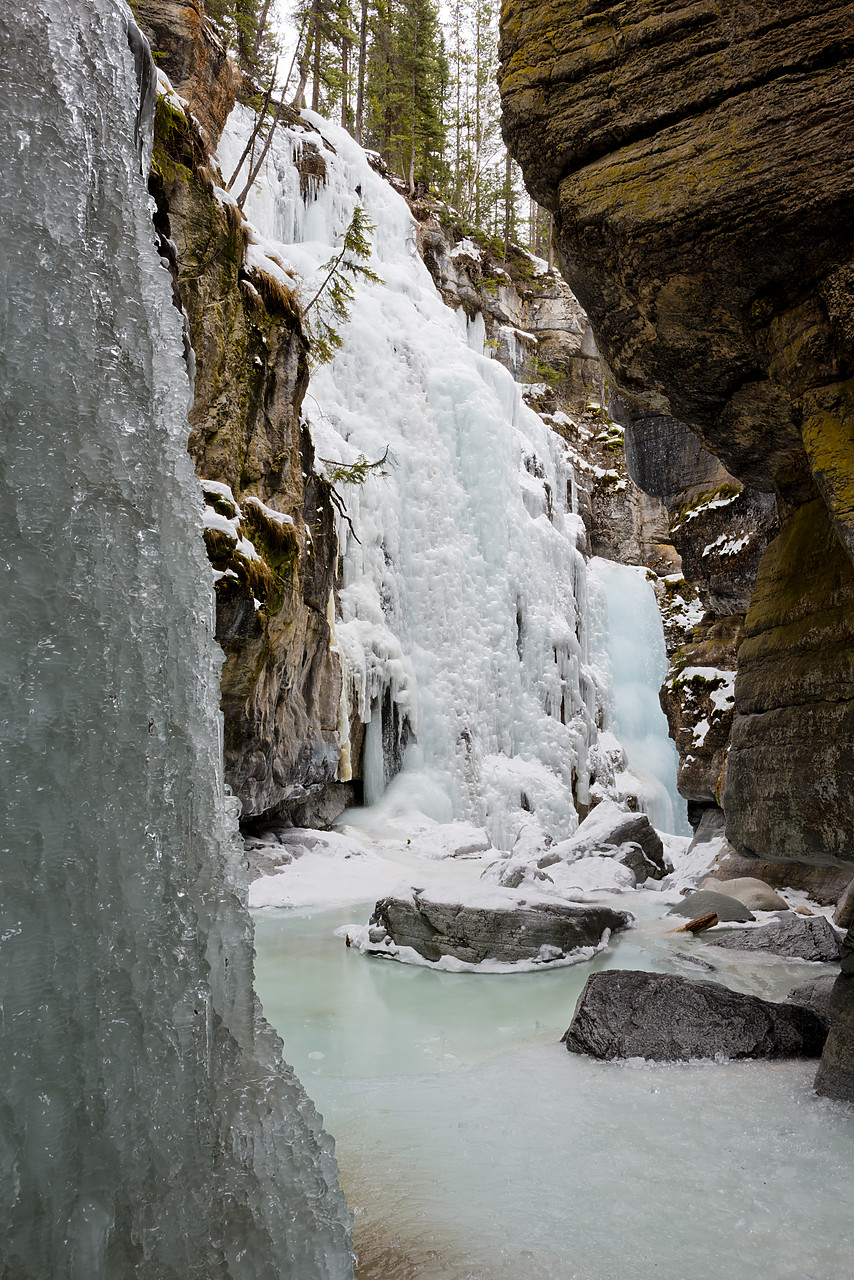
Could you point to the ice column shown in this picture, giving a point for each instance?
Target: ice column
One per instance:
(147, 1126)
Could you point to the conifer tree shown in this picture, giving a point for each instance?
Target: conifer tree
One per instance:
(405, 81)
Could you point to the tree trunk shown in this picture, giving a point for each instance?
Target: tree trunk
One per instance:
(360, 92)
(259, 34)
(315, 88)
(508, 197)
(345, 86)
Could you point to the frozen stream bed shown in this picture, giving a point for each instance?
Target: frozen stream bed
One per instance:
(474, 1147)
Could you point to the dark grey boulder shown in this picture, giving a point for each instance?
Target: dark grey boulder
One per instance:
(793, 936)
(623, 1013)
(843, 916)
(546, 932)
(815, 994)
(698, 904)
(835, 1078)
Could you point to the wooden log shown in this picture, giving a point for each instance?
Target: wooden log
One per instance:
(698, 925)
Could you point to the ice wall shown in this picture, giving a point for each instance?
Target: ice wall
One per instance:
(147, 1127)
(462, 597)
(634, 642)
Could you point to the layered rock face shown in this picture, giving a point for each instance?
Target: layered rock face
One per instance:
(281, 682)
(696, 158)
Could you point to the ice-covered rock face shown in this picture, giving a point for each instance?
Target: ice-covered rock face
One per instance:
(146, 1127)
(464, 623)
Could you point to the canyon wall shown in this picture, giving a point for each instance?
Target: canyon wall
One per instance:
(696, 158)
(270, 530)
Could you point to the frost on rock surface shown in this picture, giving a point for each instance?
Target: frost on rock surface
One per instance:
(462, 606)
(148, 1128)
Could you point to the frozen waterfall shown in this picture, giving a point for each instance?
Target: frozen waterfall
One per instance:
(147, 1126)
(463, 620)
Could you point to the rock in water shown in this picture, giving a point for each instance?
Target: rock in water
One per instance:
(607, 830)
(753, 893)
(796, 937)
(815, 994)
(700, 904)
(626, 1014)
(545, 931)
(149, 1128)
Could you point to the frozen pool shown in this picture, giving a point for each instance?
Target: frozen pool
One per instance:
(474, 1147)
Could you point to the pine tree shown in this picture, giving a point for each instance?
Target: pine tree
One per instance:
(249, 29)
(405, 81)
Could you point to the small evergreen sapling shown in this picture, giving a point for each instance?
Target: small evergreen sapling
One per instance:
(336, 292)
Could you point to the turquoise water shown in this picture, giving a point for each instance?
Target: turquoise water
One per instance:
(474, 1147)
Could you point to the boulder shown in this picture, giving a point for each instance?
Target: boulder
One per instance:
(606, 832)
(704, 901)
(843, 916)
(753, 894)
(835, 1078)
(793, 936)
(627, 1014)
(542, 931)
(815, 994)
(823, 884)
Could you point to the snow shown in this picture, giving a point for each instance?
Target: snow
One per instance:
(703, 507)
(466, 249)
(726, 545)
(213, 520)
(463, 600)
(549, 957)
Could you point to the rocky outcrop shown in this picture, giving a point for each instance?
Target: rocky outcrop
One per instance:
(788, 790)
(188, 49)
(835, 1078)
(271, 532)
(698, 698)
(704, 218)
(790, 936)
(627, 1014)
(543, 932)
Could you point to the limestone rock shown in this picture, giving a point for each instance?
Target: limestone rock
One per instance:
(701, 903)
(698, 698)
(705, 221)
(793, 936)
(190, 52)
(788, 781)
(815, 994)
(626, 1014)
(547, 931)
(280, 682)
(843, 916)
(754, 894)
(835, 1078)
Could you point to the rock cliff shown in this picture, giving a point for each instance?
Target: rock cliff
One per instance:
(696, 157)
(271, 532)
